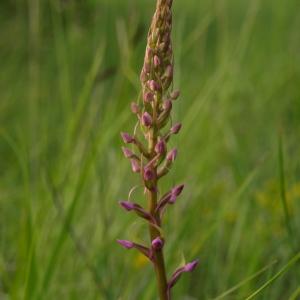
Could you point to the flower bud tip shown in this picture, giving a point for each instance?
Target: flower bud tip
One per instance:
(157, 243)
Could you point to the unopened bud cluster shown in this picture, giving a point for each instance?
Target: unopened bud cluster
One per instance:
(150, 156)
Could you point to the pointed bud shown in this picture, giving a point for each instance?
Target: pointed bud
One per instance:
(157, 244)
(135, 166)
(126, 244)
(130, 245)
(167, 105)
(156, 61)
(146, 119)
(175, 94)
(190, 267)
(169, 71)
(171, 156)
(127, 138)
(127, 205)
(177, 274)
(149, 174)
(153, 85)
(148, 97)
(135, 108)
(177, 190)
(160, 147)
(127, 152)
(176, 128)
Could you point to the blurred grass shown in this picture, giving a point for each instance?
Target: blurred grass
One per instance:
(69, 70)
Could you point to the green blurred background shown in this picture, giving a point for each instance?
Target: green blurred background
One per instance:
(69, 70)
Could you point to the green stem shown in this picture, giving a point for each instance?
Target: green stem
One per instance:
(159, 263)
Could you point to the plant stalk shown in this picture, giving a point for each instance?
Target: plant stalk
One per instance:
(159, 263)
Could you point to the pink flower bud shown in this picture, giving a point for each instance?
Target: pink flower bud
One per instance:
(135, 108)
(127, 152)
(157, 244)
(129, 245)
(175, 94)
(149, 174)
(177, 274)
(127, 205)
(146, 119)
(191, 266)
(127, 138)
(177, 190)
(153, 85)
(169, 71)
(175, 128)
(148, 97)
(160, 147)
(135, 166)
(126, 244)
(167, 105)
(171, 156)
(156, 61)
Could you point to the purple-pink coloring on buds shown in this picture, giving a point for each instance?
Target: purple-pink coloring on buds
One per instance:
(153, 85)
(169, 71)
(187, 268)
(157, 243)
(176, 128)
(148, 97)
(146, 119)
(175, 94)
(126, 244)
(160, 147)
(135, 166)
(139, 210)
(135, 108)
(129, 245)
(127, 205)
(167, 105)
(127, 152)
(177, 190)
(171, 156)
(127, 138)
(156, 61)
(149, 174)
(190, 267)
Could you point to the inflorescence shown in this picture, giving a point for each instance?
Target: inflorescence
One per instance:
(149, 156)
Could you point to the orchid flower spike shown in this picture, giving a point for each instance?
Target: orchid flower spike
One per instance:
(150, 158)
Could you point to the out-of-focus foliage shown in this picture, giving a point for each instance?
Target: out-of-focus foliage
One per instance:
(69, 70)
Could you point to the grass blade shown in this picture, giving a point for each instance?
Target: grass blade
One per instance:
(245, 281)
(293, 261)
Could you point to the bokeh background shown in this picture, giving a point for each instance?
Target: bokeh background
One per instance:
(69, 70)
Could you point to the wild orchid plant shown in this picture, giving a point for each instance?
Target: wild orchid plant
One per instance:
(151, 159)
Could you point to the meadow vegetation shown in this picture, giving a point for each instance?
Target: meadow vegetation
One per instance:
(69, 71)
